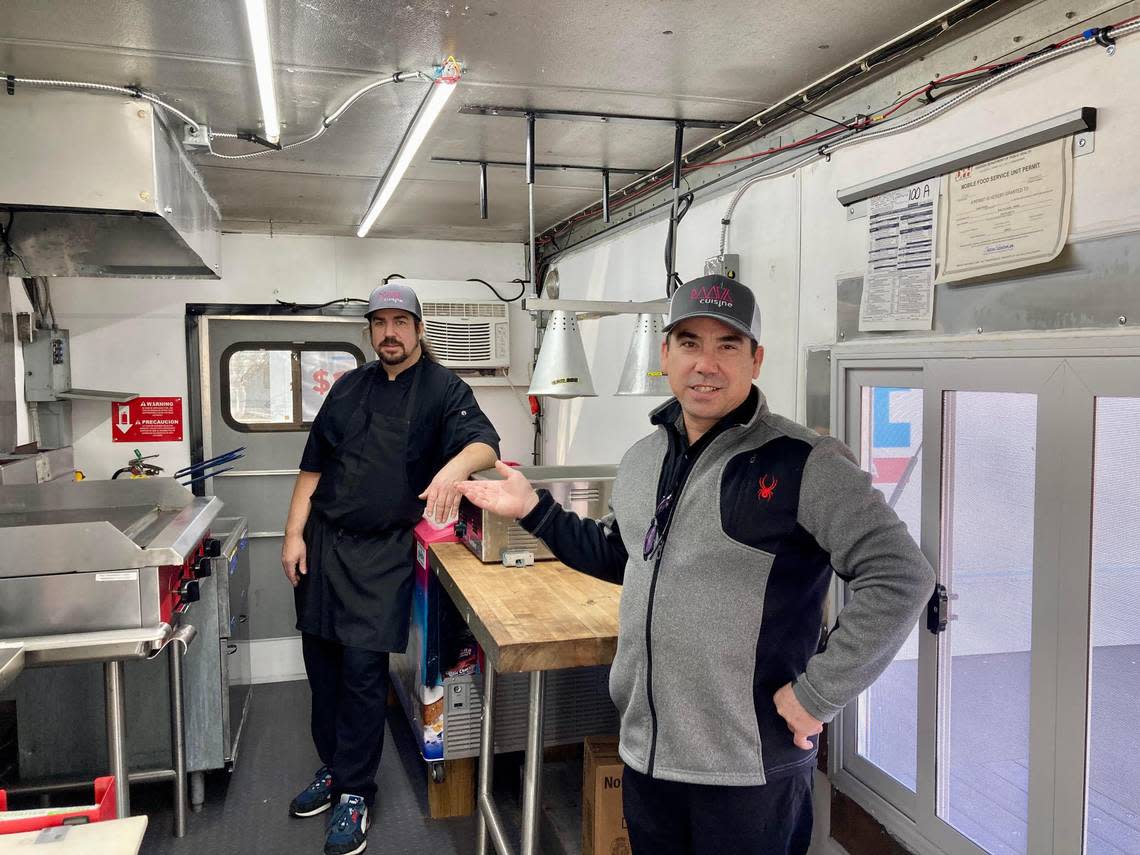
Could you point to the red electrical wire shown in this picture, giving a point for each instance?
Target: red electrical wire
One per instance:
(858, 126)
(809, 139)
(692, 166)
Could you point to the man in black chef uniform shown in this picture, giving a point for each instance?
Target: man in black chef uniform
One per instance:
(392, 438)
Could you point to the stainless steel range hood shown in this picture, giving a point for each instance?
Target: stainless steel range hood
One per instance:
(101, 186)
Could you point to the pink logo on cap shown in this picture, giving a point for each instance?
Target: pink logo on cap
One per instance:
(712, 295)
(390, 296)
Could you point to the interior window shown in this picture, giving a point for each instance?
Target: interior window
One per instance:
(320, 369)
(261, 387)
(275, 386)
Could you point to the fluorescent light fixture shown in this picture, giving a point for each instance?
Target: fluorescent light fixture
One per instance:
(258, 17)
(429, 111)
(1074, 122)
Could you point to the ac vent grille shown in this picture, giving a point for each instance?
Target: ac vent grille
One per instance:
(465, 310)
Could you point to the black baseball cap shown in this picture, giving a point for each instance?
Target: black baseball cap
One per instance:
(394, 296)
(716, 297)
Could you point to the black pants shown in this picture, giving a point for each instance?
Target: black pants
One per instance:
(668, 818)
(350, 700)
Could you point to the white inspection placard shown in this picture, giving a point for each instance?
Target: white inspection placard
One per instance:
(898, 288)
(1006, 213)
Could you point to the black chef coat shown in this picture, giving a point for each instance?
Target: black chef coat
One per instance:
(377, 443)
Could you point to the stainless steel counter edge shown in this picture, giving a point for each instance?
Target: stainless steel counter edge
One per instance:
(234, 530)
(184, 531)
(68, 648)
(11, 664)
(107, 548)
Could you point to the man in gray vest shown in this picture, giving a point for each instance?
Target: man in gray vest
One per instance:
(727, 523)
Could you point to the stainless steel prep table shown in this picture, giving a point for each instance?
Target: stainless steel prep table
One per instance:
(112, 648)
(100, 571)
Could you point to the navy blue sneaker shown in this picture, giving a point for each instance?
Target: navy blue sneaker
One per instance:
(348, 827)
(315, 798)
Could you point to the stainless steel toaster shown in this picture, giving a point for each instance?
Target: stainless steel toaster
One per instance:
(583, 489)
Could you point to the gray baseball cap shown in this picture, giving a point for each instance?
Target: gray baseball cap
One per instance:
(716, 297)
(395, 296)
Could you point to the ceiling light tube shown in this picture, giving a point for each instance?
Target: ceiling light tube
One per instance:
(429, 111)
(257, 16)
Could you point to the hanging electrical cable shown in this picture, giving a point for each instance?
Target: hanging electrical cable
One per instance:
(7, 251)
(675, 281)
(342, 301)
(520, 282)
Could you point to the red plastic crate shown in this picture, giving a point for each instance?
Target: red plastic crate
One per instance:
(104, 809)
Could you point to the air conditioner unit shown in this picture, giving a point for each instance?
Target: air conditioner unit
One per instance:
(469, 333)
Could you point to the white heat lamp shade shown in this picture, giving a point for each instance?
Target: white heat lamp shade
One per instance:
(642, 372)
(257, 16)
(561, 370)
(429, 111)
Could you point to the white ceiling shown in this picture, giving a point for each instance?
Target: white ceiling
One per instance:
(707, 59)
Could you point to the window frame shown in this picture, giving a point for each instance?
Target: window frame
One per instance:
(1068, 374)
(294, 349)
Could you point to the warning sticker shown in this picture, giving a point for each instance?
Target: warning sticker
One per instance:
(147, 420)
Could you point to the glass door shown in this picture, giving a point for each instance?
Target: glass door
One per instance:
(884, 428)
(989, 451)
(1113, 788)
(1102, 671)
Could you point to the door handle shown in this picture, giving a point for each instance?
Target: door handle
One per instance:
(231, 649)
(938, 615)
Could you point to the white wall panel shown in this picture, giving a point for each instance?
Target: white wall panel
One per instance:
(129, 334)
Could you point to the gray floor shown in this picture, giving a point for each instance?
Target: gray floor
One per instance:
(245, 812)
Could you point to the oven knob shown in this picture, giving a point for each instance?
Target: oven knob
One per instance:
(213, 547)
(204, 567)
(188, 591)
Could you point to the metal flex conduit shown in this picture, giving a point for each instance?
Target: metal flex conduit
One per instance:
(939, 108)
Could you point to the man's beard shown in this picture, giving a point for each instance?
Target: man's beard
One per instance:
(392, 359)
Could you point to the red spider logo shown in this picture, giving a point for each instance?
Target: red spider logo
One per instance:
(767, 489)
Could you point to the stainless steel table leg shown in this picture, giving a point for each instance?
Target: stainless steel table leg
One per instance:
(486, 759)
(197, 790)
(532, 770)
(116, 730)
(178, 739)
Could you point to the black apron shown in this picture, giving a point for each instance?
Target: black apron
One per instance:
(358, 538)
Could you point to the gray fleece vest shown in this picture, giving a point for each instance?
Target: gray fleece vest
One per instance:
(705, 624)
(697, 650)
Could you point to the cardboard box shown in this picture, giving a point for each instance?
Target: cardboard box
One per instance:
(603, 822)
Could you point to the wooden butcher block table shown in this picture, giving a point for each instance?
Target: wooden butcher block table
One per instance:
(526, 619)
